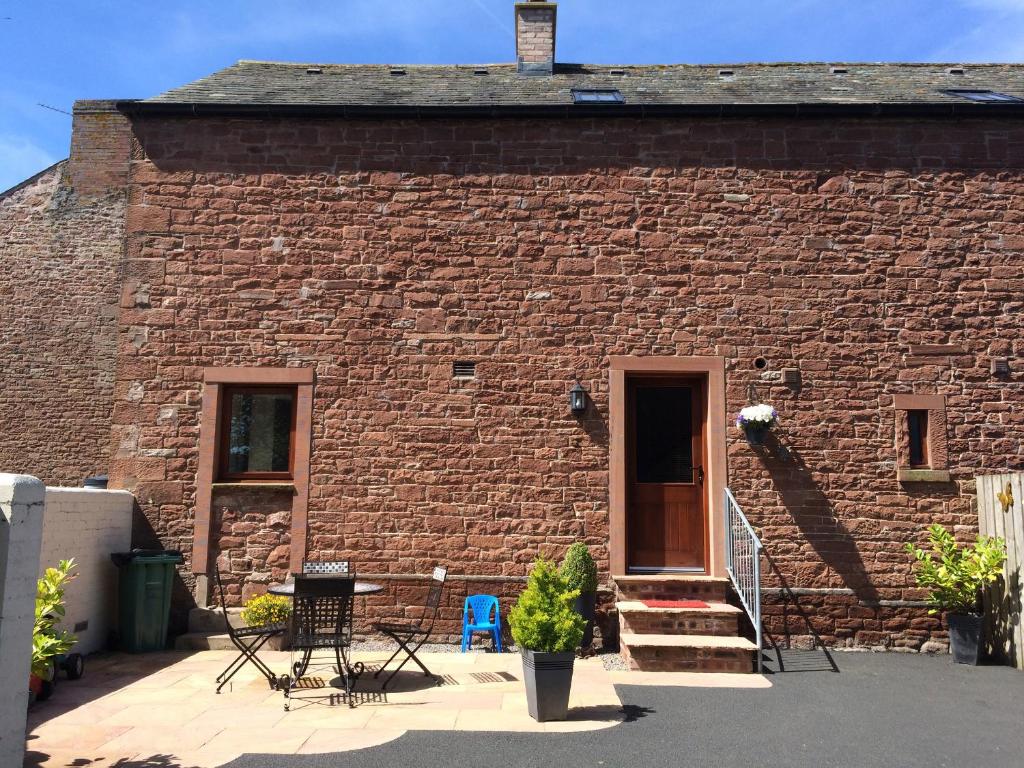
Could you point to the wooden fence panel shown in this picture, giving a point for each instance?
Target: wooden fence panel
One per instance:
(998, 515)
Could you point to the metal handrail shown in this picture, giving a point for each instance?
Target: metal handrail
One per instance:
(743, 564)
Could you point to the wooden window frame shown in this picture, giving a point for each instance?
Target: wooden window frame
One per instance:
(224, 438)
(215, 382)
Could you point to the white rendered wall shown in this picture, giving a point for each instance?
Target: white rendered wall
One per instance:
(88, 525)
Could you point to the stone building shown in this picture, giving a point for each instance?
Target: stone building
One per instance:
(335, 311)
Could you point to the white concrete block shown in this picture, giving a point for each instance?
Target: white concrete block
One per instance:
(21, 524)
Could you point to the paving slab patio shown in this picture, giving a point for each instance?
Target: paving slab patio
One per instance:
(132, 708)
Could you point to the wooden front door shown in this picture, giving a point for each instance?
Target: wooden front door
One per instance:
(666, 508)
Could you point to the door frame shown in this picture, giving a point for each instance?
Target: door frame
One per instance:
(715, 422)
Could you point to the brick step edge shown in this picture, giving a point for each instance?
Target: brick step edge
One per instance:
(687, 653)
(706, 588)
(718, 619)
(714, 608)
(709, 642)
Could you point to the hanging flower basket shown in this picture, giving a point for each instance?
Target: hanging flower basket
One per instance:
(757, 421)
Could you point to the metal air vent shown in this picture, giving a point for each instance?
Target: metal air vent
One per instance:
(463, 369)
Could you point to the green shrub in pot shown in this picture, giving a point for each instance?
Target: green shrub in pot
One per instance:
(547, 630)
(580, 573)
(954, 576)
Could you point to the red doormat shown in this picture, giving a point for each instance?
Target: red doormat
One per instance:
(675, 604)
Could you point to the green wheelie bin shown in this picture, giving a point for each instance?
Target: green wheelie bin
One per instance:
(144, 597)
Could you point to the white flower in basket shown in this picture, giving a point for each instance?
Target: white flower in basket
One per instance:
(756, 420)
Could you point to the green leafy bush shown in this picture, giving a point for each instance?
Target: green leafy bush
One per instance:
(953, 574)
(543, 618)
(261, 610)
(579, 569)
(47, 640)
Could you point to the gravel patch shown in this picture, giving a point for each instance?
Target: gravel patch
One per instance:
(613, 662)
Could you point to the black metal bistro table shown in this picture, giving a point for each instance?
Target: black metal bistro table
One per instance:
(362, 588)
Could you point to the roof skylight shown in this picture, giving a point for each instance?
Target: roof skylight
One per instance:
(983, 95)
(597, 96)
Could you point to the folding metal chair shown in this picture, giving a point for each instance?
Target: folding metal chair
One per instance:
(405, 634)
(322, 621)
(248, 641)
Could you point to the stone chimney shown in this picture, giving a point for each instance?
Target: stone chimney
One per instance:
(535, 37)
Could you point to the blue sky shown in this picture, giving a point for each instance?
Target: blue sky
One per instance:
(56, 51)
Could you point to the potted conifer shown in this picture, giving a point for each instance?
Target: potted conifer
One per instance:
(580, 573)
(547, 630)
(955, 576)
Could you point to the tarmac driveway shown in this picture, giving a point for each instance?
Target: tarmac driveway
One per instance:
(892, 710)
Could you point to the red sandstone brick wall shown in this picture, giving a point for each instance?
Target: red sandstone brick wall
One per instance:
(381, 252)
(61, 239)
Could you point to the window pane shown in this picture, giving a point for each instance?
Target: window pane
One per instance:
(261, 426)
(917, 423)
(664, 435)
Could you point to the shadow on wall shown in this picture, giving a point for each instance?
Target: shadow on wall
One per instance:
(182, 599)
(812, 513)
(595, 424)
(789, 659)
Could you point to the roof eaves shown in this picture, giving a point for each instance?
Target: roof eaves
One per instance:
(425, 111)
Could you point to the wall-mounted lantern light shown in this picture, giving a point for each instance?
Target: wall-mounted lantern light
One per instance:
(577, 399)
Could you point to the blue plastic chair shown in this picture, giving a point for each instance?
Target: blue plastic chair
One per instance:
(477, 617)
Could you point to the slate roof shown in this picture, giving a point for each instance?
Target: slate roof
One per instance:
(250, 85)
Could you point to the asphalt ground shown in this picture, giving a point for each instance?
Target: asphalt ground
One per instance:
(892, 710)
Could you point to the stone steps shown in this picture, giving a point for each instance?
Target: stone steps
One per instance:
(681, 639)
(687, 653)
(212, 619)
(716, 619)
(218, 641)
(203, 641)
(207, 631)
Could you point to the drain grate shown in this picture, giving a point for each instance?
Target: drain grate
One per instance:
(310, 683)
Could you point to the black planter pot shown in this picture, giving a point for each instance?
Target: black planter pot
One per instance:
(756, 435)
(965, 637)
(548, 678)
(586, 606)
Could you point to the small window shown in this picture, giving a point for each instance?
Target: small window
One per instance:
(257, 433)
(983, 96)
(917, 433)
(597, 96)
